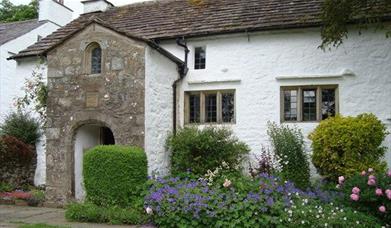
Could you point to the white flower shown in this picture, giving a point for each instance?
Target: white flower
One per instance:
(302, 222)
(317, 216)
(149, 210)
(344, 218)
(357, 222)
(326, 224)
(290, 211)
(227, 183)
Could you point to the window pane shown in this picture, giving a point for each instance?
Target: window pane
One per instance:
(290, 105)
(328, 103)
(199, 58)
(96, 60)
(228, 107)
(309, 105)
(210, 108)
(194, 106)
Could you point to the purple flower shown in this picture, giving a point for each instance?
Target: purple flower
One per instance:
(270, 201)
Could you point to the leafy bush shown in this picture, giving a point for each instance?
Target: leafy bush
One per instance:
(204, 149)
(22, 126)
(6, 187)
(114, 175)
(310, 213)
(368, 192)
(89, 212)
(18, 162)
(288, 145)
(343, 146)
(242, 202)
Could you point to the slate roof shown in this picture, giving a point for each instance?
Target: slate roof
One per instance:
(10, 31)
(166, 19)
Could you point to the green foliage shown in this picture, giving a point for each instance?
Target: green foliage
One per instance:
(89, 212)
(22, 126)
(310, 213)
(288, 145)
(369, 202)
(9, 12)
(6, 187)
(343, 146)
(338, 15)
(204, 149)
(114, 175)
(35, 93)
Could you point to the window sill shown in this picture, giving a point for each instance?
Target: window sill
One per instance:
(214, 82)
(210, 124)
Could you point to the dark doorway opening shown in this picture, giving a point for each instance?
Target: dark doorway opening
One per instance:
(107, 137)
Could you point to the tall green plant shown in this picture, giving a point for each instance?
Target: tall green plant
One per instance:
(288, 145)
(22, 126)
(204, 149)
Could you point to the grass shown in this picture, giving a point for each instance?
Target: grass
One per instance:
(40, 225)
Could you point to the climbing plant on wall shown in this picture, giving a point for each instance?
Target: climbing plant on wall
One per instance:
(338, 15)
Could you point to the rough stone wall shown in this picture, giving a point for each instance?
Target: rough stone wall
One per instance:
(114, 98)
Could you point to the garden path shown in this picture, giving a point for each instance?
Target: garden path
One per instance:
(14, 216)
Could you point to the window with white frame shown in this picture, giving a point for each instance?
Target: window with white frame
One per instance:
(308, 103)
(205, 107)
(199, 58)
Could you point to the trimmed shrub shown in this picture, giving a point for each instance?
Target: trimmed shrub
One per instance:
(22, 126)
(343, 146)
(89, 212)
(114, 175)
(288, 145)
(204, 149)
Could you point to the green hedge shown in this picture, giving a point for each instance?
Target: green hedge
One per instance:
(343, 146)
(204, 149)
(89, 212)
(114, 175)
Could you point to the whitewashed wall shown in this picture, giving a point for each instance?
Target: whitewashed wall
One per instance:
(12, 76)
(250, 64)
(160, 73)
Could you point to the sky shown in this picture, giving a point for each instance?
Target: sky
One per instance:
(77, 6)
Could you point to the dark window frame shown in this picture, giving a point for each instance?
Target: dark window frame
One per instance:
(203, 109)
(299, 106)
(200, 61)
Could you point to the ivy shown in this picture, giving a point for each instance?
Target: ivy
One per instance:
(338, 15)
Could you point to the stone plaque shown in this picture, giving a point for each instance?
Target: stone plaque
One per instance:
(91, 100)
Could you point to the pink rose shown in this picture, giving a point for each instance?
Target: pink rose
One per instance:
(370, 170)
(371, 182)
(388, 193)
(372, 177)
(363, 173)
(341, 179)
(389, 173)
(382, 209)
(354, 197)
(379, 192)
(355, 190)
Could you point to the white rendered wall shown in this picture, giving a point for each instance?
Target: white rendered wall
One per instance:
(86, 137)
(54, 12)
(93, 6)
(12, 76)
(250, 65)
(160, 73)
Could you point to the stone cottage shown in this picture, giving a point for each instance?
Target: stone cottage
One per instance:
(133, 74)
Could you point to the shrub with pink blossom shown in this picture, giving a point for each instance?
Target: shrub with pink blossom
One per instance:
(369, 192)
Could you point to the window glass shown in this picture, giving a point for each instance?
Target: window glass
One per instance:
(199, 58)
(96, 60)
(328, 103)
(309, 104)
(210, 108)
(290, 105)
(194, 106)
(228, 107)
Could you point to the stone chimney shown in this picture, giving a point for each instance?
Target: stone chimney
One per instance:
(96, 5)
(54, 11)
